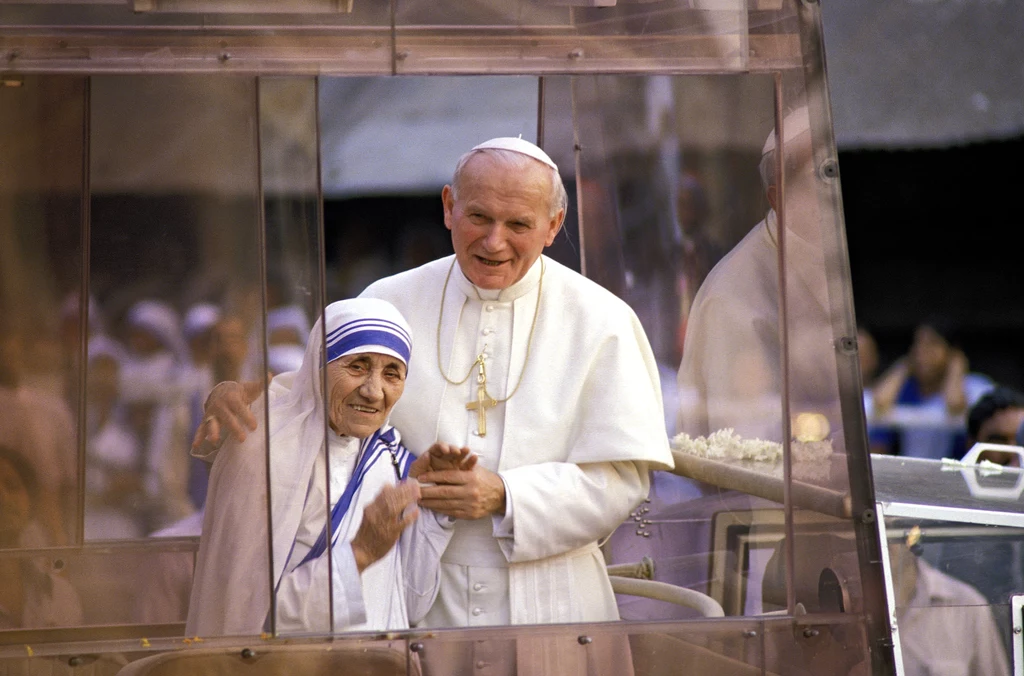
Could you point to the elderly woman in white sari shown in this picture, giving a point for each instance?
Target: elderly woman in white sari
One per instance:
(382, 572)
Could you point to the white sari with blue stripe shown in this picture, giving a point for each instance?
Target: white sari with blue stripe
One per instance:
(237, 576)
(358, 472)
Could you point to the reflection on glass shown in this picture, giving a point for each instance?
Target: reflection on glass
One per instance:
(165, 216)
(208, 265)
(945, 623)
(41, 125)
(32, 594)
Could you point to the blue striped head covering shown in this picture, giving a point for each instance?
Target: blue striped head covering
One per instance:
(367, 325)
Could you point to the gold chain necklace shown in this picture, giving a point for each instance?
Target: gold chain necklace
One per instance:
(484, 400)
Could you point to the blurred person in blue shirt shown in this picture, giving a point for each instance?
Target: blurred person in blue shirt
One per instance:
(920, 401)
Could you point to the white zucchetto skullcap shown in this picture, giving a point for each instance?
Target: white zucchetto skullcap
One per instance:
(518, 145)
(797, 122)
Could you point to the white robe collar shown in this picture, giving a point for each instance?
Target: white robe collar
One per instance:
(804, 259)
(524, 286)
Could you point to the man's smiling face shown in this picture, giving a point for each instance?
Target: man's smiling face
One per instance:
(500, 220)
(363, 388)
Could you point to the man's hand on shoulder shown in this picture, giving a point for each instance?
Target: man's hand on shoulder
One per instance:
(227, 409)
(463, 494)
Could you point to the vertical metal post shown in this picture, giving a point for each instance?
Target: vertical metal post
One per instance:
(322, 302)
(83, 311)
(540, 112)
(890, 590)
(578, 155)
(787, 454)
(261, 237)
(392, 12)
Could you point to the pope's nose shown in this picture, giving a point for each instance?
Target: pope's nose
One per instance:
(495, 238)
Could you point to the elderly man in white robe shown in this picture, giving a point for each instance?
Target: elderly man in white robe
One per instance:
(374, 584)
(549, 380)
(731, 371)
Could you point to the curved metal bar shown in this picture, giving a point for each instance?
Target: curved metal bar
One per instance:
(662, 591)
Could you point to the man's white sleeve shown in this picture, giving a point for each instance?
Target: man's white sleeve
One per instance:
(560, 506)
(421, 547)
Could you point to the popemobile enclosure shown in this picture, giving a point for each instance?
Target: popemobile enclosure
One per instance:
(185, 185)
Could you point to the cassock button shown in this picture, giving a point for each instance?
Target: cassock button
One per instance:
(489, 308)
(478, 611)
(479, 586)
(480, 664)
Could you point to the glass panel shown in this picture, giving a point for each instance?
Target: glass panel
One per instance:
(569, 36)
(174, 235)
(952, 586)
(670, 195)
(972, 491)
(827, 644)
(42, 122)
(643, 649)
(411, 36)
(205, 189)
(294, 300)
(72, 588)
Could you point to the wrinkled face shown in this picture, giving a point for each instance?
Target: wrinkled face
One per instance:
(362, 389)
(15, 502)
(929, 355)
(501, 220)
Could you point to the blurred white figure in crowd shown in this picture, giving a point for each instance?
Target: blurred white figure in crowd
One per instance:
(287, 330)
(287, 325)
(157, 409)
(112, 472)
(284, 358)
(195, 382)
(197, 373)
(157, 351)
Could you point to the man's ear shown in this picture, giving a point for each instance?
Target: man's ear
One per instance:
(773, 195)
(554, 227)
(448, 202)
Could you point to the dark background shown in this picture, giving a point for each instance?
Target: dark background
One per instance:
(934, 232)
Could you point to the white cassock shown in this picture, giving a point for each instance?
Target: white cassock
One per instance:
(731, 374)
(573, 445)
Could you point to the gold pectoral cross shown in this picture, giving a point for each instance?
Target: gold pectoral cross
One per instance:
(483, 402)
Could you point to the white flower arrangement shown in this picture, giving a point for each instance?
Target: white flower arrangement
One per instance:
(727, 446)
